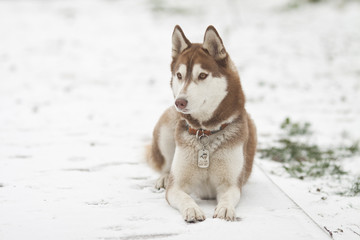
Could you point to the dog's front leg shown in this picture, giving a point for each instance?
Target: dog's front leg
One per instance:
(179, 199)
(162, 181)
(228, 198)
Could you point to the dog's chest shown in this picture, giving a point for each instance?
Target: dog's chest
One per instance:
(224, 169)
(225, 161)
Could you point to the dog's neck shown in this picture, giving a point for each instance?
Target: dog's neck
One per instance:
(201, 132)
(213, 124)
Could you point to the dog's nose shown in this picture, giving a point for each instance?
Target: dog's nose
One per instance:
(181, 103)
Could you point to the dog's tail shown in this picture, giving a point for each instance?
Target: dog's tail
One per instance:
(164, 130)
(153, 157)
(148, 155)
(250, 150)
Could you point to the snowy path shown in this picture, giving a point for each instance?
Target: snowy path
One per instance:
(116, 200)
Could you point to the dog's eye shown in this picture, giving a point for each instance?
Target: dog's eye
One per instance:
(179, 76)
(202, 76)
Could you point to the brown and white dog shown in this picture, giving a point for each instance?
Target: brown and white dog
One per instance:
(206, 143)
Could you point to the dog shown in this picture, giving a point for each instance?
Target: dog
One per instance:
(205, 144)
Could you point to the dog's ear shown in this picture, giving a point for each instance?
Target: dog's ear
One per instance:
(179, 41)
(213, 44)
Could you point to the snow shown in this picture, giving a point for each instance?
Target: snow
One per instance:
(319, 200)
(82, 84)
(110, 202)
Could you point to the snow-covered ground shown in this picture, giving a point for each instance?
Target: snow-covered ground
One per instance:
(82, 84)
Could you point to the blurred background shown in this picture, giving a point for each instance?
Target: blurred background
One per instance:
(80, 64)
(82, 83)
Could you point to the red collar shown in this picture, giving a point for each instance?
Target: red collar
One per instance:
(201, 132)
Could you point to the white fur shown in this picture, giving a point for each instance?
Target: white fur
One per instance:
(206, 95)
(167, 146)
(228, 162)
(179, 199)
(203, 96)
(178, 85)
(178, 195)
(226, 179)
(186, 158)
(227, 198)
(220, 180)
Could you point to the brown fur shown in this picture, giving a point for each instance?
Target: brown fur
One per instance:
(234, 101)
(154, 156)
(232, 104)
(241, 129)
(249, 151)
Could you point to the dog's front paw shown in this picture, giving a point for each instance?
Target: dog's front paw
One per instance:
(226, 213)
(193, 214)
(162, 181)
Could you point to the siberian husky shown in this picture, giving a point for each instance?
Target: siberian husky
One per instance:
(204, 144)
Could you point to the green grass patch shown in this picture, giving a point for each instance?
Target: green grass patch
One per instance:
(353, 190)
(302, 159)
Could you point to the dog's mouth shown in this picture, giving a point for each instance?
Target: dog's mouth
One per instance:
(184, 111)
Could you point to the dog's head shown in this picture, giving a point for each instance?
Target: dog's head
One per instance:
(203, 76)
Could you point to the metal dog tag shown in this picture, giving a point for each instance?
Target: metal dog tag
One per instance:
(203, 158)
